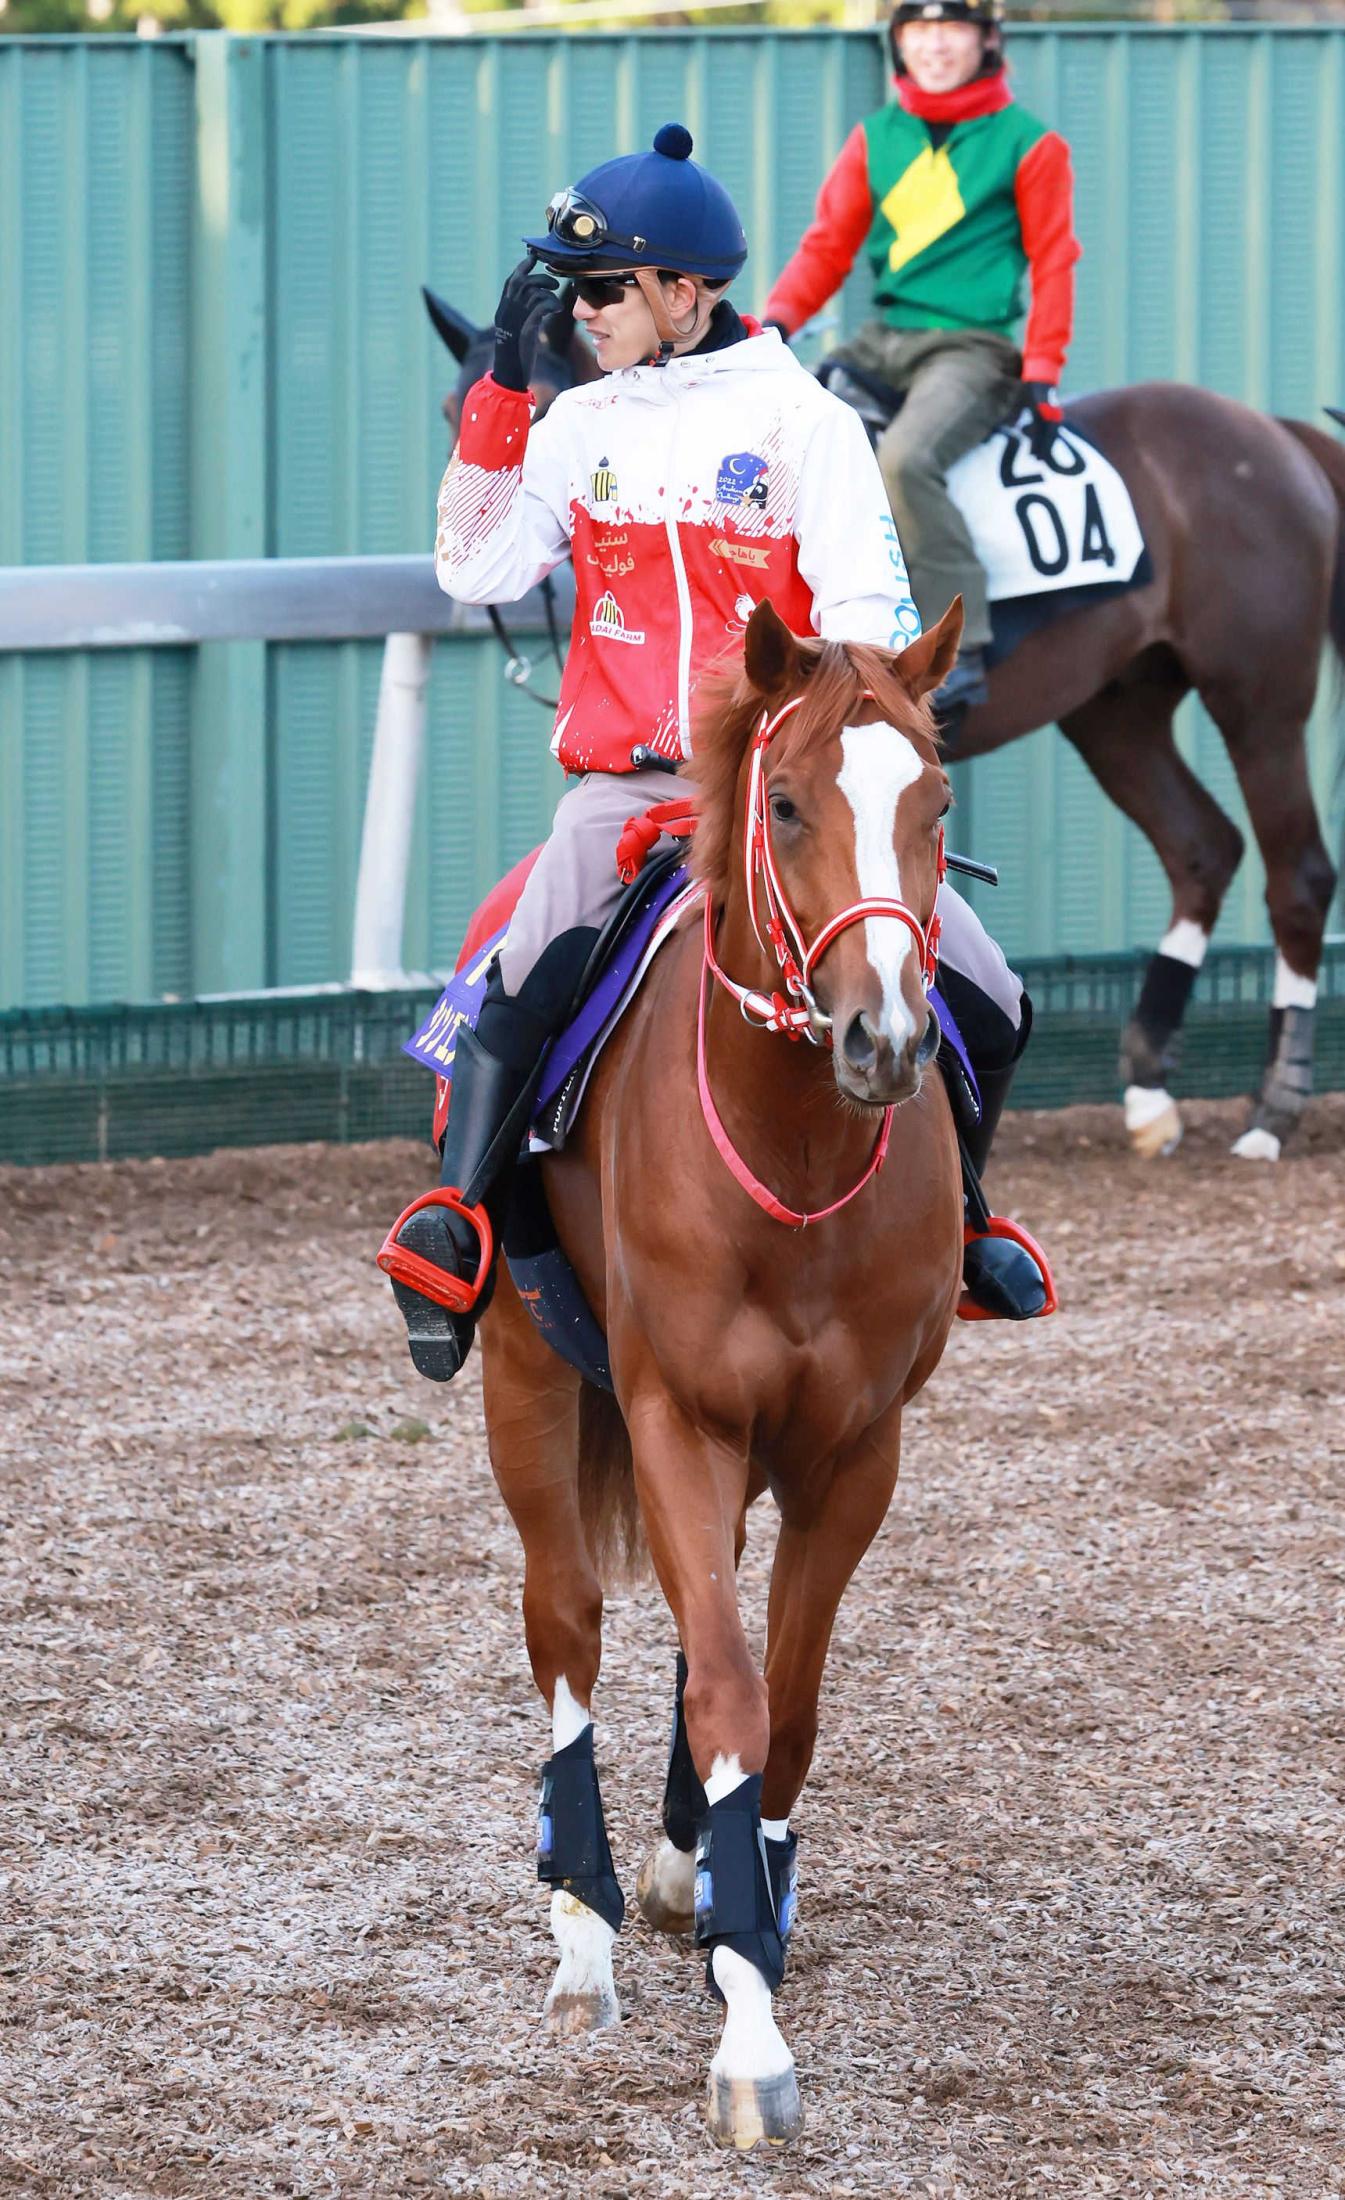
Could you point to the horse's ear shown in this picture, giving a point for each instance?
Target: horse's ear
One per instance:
(458, 333)
(770, 652)
(927, 663)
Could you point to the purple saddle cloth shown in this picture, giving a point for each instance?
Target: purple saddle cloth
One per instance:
(574, 1051)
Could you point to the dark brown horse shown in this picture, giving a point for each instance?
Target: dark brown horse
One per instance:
(1244, 519)
(748, 1353)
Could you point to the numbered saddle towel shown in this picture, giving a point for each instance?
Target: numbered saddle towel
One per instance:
(1054, 535)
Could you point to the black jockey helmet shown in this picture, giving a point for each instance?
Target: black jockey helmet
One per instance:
(988, 15)
(659, 209)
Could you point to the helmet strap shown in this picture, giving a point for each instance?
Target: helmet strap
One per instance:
(666, 329)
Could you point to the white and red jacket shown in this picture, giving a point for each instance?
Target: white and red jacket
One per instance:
(686, 494)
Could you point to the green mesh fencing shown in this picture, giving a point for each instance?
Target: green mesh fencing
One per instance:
(109, 1084)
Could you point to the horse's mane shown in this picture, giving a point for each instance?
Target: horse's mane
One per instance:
(845, 683)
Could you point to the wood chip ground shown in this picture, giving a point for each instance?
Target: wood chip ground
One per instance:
(1072, 1905)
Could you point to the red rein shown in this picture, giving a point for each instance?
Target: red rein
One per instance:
(797, 963)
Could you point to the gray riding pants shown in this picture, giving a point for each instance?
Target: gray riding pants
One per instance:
(574, 882)
(958, 384)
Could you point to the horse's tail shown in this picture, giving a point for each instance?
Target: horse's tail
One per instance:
(608, 1505)
(1330, 456)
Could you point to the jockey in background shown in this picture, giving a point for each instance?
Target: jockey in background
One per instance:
(704, 471)
(955, 191)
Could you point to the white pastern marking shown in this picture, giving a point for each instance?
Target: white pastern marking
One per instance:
(726, 1773)
(1144, 1104)
(1185, 943)
(568, 1718)
(775, 1829)
(585, 1942)
(1257, 1145)
(879, 766)
(751, 2044)
(1291, 991)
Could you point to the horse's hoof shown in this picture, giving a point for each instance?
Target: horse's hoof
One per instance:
(1153, 1121)
(749, 2112)
(1257, 1145)
(566, 2016)
(665, 1889)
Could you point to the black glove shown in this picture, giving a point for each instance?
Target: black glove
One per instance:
(1042, 400)
(528, 297)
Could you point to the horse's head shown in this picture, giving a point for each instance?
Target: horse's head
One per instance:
(852, 794)
(561, 360)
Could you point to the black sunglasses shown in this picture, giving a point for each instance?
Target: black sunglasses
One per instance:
(602, 290)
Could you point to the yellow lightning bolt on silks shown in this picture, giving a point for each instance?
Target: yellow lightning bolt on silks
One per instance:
(922, 204)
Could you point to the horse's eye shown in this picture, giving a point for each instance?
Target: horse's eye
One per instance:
(783, 811)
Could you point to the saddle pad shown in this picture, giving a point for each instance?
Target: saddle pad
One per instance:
(1042, 525)
(435, 1042)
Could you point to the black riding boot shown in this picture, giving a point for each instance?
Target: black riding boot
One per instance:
(1000, 1275)
(442, 1280)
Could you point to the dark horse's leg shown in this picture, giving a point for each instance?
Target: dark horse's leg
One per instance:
(1265, 740)
(532, 1414)
(1124, 736)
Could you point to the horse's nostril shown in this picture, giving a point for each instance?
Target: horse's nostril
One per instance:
(929, 1041)
(860, 1044)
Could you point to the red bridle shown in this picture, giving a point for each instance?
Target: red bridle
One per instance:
(783, 934)
(795, 1011)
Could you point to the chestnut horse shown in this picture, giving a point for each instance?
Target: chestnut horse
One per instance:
(1244, 519)
(748, 1352)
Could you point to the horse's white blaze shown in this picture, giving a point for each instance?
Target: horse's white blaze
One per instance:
(879, 766)
(1185, 943)
(751, 2044)
(1291, 991)
(585, 1968)
(568, 1718)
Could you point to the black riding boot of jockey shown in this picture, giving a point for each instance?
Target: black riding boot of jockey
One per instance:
(440, 1252)
(1005, 1276)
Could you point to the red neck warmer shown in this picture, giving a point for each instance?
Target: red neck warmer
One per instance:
(985, 95)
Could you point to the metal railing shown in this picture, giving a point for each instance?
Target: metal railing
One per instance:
(167, 605)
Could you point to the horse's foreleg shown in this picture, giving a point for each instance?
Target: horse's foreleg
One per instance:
(665, 1889)
(1125, 738)
(531, 1400)
(693, 1488)
(1269, 755)
(814, 1562)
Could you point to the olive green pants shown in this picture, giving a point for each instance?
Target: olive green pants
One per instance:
(958, 384)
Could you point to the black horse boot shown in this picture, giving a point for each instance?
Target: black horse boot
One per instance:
(1005, 1274)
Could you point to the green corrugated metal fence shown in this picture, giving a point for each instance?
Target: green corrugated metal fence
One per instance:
(211, 343)
(108, 1084)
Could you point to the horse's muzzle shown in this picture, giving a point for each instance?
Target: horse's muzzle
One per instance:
(875, 1072)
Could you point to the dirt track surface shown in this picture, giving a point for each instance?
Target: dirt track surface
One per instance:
(1072, 1903)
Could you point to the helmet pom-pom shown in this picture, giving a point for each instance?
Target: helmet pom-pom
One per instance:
(674, 141)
